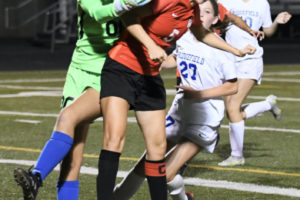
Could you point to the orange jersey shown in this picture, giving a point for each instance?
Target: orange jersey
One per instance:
(170, 20)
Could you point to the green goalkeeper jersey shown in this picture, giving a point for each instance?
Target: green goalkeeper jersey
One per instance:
(98, 28)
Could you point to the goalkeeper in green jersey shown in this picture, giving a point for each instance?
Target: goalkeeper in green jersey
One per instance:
(98, 28)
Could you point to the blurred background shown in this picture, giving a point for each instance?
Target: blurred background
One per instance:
(41, 34)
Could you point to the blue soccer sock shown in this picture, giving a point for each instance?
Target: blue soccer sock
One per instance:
(54, 151)
(67, 190)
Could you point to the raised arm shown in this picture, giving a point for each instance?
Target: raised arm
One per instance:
(131, 20)
(211, 39)
(103, 13)
(282, 18)
(169, 63)
(239, 22)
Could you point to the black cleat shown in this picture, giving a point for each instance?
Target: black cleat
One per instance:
(29, 182)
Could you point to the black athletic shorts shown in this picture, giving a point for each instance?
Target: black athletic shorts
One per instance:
(143, 93)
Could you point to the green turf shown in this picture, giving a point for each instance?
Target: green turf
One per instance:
(271, 157)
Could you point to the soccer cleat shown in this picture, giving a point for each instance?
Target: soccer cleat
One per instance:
(122, 6)
(29, 182)
(277, 113)
(232, 161)
(189, 195)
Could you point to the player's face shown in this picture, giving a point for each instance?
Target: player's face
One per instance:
(207, 15)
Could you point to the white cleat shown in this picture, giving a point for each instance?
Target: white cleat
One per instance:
(232, 161)
(277, 113)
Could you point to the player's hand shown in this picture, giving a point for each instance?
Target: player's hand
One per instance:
(258, 34)
(249, 49)
(157, 54)
(189, 92)
(283, 18)
(122, 6)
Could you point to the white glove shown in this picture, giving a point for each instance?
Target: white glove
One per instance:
(122, 6)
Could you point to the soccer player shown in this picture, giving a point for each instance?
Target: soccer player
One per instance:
(97, 30)
(197, 110)
(256, 13)
(226, 16)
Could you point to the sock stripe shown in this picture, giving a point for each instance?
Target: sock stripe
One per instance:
(155, 169)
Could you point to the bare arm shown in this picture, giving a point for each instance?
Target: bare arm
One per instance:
(282, 18)
(169, 63)
(239, 22)
(211, 39)
(131, 21)
(228, 88)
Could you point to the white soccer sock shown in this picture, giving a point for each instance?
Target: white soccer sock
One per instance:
(128, 186)
(236, 136)
(176, 188)
(253, 109)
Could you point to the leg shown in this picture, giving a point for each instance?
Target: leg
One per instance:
(68, 184)
(236, 131)
(152, 124)
(182, 153)
(132, 182)
(255, 108)
(115, 112)
(84, 108)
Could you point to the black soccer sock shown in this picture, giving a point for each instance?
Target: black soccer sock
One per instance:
(107, 173)
(155, 172)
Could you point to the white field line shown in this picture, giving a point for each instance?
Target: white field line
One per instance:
(44, 80)
(30, 87)
(169, 92)
(282, 73)
(282, 80)
(246, 187)
(28, 121)
(33, 94)
(133, 120)
(173, 92)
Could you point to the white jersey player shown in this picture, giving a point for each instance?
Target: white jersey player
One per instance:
(256, 13)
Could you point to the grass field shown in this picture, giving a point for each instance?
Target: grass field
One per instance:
(29, 103)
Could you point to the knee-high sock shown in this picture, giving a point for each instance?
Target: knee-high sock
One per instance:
(128, 186)
(67, 190)
(54, 151)
(236, 136)
(155, 172)
(176, 188)
(253, 109)
(108, 168)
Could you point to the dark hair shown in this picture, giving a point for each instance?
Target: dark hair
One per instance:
(221, 25)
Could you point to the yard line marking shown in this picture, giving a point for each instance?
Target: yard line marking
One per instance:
(282, 73)
(31, 87)
(28, 121)
(282, 80)
(33, 94)
(133, 120)
(58, 92)
(44, 80)
(253, 171)
(247, 187)
(173, 92)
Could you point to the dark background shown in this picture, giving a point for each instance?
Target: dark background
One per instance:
(28, 47)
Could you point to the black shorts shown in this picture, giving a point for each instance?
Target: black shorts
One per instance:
(143, 93)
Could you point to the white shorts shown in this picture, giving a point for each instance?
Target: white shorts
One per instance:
(250, 69)
(176, 130)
